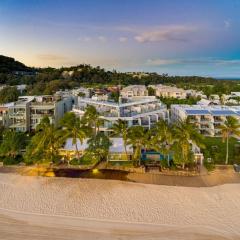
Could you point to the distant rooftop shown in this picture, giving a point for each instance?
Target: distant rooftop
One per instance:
(209, 110)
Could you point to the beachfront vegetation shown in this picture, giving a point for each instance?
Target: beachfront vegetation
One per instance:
(75, 128)
(11, 146)
(229, 128)
(174, 141)
(215, 150)
(44, 145)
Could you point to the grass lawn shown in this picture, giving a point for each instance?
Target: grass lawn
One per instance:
(216, 149)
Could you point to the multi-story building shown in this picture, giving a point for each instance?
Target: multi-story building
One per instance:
(169, 91)
(206, 118)
(26, 113)
(144, 112)
(134, 91)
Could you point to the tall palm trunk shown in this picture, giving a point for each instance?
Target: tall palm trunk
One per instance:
(125, 149)
(76, 147)
(227, 149)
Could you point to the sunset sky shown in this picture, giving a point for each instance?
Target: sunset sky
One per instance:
(187, 37)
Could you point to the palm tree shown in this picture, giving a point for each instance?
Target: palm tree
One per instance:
(120, 128)
(162, 137)
(46, 142)
(229, 128)
(75, 128)
(92, 118)
(137, 138)
(185, 134)
(99, 145)
(12, 143)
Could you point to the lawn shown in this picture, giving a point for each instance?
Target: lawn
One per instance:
(216, 150)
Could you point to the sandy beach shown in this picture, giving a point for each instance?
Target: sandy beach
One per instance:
(63, 208)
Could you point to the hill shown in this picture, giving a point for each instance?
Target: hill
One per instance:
(49, 80)
(10, 65)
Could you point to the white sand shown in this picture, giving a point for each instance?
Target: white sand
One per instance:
(214, 210)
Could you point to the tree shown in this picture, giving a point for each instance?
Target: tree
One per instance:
(184, 135)
(151, 91)
(75, 128)
(229, 128)
(120, 128)
(162, 137)
(8, 94)
(137, 138)
(92, 118)
(99, 145)
(12, 144)
(44, 146)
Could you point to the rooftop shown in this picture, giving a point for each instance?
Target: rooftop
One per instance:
(118, 105)
(209, 110)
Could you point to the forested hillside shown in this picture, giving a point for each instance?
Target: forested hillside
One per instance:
(49, 80)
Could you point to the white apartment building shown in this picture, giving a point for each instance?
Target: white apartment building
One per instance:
(169, 91)
(26, 113)
(86, 92)
(206, 118)
(134, 91)
(136, 112)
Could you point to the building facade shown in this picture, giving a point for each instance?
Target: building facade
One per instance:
(26, 113)
(117, 151)
(134, 91)
(169, 91)
(206, 118)
(138, 112)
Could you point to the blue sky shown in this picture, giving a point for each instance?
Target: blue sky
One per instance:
(187, 37)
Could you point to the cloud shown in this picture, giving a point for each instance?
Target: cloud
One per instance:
(213, 61)
(102, 38)
(227, 23)
(158, 62)
(85, 39)
(166, 33)
(123, 39)
(51, 57)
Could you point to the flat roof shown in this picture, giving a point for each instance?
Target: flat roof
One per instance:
(197, 112)
(117, 105)
(223, 112)
(209, 110)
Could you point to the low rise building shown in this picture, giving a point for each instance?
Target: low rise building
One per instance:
(169, 91)
(206, 118)
(117, 151)
(134, 91)
(26, 113)
(136, 112)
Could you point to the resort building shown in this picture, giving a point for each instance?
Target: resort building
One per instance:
(169, 91)
(136, 112)
(81, 91)
(117, 150)
(26, 113)
(206, 118)
(134, 91)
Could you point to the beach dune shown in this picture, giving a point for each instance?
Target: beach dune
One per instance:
(61, 208)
